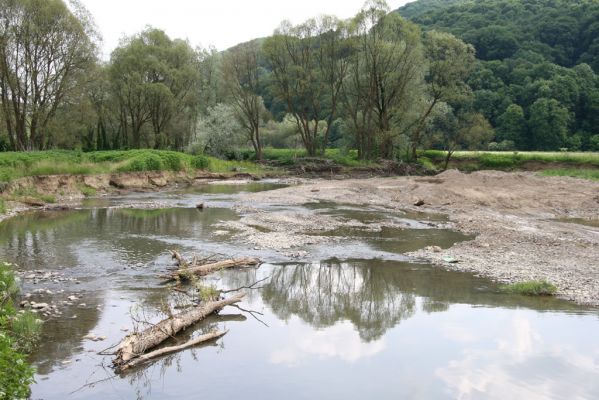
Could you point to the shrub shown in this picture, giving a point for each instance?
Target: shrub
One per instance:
(144, 162)
(15, 374)
(18, 333)
(200, 162)
(172, 161)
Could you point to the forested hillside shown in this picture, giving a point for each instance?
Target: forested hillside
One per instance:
(536, 81)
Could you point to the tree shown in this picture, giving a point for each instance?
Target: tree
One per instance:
(385, 71)
(243, 80)
(512, 126)
(450, 61)
(459, 130)
(44, 50)
(155, 81)
(219, 131)
(309, 64)
(548, 124)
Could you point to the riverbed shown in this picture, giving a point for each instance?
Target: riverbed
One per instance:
(348, 304)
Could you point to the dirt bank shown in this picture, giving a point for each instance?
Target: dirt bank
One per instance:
(513, 215)
(66, 191)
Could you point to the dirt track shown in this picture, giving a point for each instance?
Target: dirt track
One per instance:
(512, 214)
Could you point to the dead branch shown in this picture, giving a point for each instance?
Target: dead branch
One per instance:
(170, 349)
(251, 287)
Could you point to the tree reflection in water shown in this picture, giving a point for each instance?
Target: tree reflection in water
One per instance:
(325, 293)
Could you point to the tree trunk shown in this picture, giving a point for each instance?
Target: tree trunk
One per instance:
(202, 270)
(170, 349)
(136, 344)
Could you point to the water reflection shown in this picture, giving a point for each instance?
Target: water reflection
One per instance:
(121, 236)
(376, 295)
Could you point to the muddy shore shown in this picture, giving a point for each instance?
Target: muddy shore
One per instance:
(520, 221)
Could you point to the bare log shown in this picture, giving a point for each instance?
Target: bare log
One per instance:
(170, 349)
(206, 269)
(136, 344)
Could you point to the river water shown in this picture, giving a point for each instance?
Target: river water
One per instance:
(357, 320)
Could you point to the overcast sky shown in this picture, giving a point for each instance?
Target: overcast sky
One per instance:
(222, 23)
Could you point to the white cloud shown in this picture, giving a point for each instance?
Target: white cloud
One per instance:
(340, 341)
(522, 366)
(222, 23)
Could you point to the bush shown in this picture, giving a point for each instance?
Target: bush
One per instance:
(172, 161)
(200, 162)
(594, 143)
(144, 162)
(15, 374)
(18, 333)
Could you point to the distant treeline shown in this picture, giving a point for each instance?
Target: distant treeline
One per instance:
(377, 83)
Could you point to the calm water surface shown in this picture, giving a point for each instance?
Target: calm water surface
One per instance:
(361, 324)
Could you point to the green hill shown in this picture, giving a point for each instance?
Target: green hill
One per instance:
(537, 79)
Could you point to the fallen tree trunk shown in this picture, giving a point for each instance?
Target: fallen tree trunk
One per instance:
(206, 269)
(136, 344)
(170, 349)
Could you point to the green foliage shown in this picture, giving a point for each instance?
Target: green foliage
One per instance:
(509, 160)
(2, 207)
(18, 333)
(200, 162)
(536, 79)
(591, 174)
(88, 191)
(531, 288)
(207, 292)
(15, 374)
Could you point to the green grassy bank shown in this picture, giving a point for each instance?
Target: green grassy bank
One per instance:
(14, 165)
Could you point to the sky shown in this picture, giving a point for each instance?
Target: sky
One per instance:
(220, 23)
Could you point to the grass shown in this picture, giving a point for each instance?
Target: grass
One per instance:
(531, 288)
(31, 193)
(14, 165)
(2, 207)
(591, 174)
(515, 159)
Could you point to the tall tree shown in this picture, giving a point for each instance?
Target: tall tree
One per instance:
(44, 49)
(243, 78)
(309, 65)
(155, 79)
(449, 62)
(386, 68)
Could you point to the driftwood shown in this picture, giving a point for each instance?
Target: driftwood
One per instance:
(136, 344)
(170, 349)
(206, 269)
(186, 269)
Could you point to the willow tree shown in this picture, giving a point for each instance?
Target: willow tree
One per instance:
(44, 49)
(243, 79)
(449, 61)
(156, 83)
(309, 64)
(385, 74)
